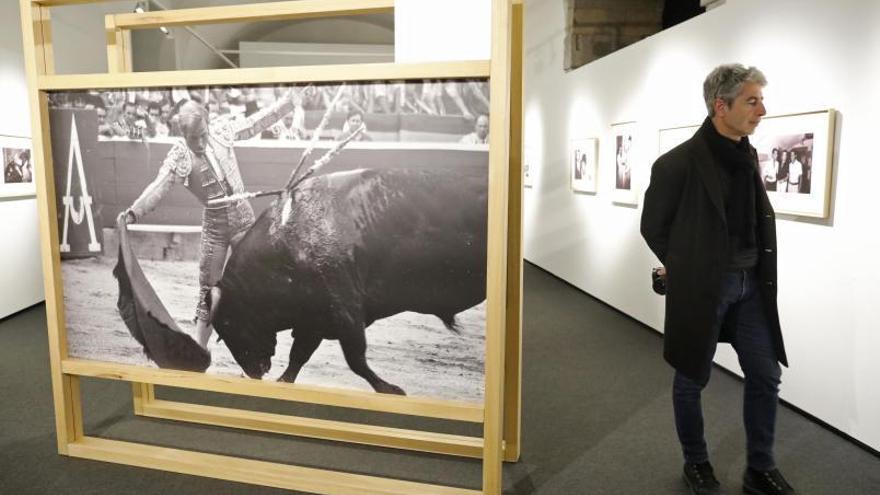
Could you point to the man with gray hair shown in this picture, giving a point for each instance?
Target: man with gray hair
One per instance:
(709, 221)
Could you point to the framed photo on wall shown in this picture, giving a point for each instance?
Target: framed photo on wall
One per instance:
(584, 160)
(673, 136)
(624, 140)
(795, 154)
(529, 162)
(18, 167)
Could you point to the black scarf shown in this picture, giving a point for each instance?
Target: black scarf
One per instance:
(739, 166)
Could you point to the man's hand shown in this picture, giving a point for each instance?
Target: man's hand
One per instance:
(658, 280)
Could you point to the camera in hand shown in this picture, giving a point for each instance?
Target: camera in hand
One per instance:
(658, 281)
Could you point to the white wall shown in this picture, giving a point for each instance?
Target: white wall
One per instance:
(79, 42)
(21, 280)
(816, 55)
(430, 31)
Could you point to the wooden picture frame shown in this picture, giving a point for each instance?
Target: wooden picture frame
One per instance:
(500, 411)
(807, 135)
(798, 179)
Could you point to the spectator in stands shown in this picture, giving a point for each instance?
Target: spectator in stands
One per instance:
(481, 132)
(205, 163)
(235, 98)
(404, 96)
(158, 127)
(293, 126)
(451, 89)
(378, 99)
(312, 98)
(431, 101)
(353, 122)
(108, 128)
(475, 98)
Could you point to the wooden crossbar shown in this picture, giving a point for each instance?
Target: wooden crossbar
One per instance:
(267, 75)
(379, 436)
(269, 11)
(264, 473)
(370, 401)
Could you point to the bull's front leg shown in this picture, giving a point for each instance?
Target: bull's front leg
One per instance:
(300, 352)
(354, 347)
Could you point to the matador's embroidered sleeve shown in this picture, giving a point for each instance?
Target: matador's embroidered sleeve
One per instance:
(175, 169)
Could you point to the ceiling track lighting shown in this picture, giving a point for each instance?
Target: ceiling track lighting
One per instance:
(141, 7)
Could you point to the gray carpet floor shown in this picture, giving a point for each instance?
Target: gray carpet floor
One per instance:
(597, 419)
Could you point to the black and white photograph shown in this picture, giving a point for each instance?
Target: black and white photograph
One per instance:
(794, 157)
(584, 165)
(528, 166)
(786, 168)
(623, 172)
(625, 141)
(323, 234)
(18, 167)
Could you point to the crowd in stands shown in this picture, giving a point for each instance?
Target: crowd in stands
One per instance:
(146, 114)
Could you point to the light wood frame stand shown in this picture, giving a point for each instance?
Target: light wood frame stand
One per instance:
(500, 412)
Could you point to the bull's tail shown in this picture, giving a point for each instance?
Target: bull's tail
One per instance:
(451, 323)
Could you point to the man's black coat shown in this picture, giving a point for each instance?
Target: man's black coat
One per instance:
(684, 224)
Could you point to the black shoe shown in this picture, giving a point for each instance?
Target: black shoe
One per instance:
(766, 483)
(701, 479)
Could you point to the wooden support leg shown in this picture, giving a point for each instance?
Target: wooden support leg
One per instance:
(513, 340)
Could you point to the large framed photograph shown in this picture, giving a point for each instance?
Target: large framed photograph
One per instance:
(325, 234)
(625, 142)
(18, 167)
(584, 155)
(795, 154)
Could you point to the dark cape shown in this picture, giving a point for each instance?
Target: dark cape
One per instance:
(148, 320)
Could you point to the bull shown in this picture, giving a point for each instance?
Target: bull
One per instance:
(349, 248)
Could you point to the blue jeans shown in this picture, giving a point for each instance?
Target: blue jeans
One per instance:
(753, 343)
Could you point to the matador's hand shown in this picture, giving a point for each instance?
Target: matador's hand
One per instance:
(126, 217)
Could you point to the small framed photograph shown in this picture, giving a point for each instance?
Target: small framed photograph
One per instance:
(795, 154)
(528, 166)
(584, 155)
(18, 167)
(624, 140)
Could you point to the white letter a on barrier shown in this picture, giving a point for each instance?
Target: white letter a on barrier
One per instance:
(85, 203)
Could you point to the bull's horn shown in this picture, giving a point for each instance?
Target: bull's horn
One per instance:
(213, 302)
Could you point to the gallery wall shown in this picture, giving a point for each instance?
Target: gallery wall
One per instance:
(21, 280)
(78, 48)
(816, 55)
(78, 39)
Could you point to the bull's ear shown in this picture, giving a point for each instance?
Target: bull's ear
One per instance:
(212, 298)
